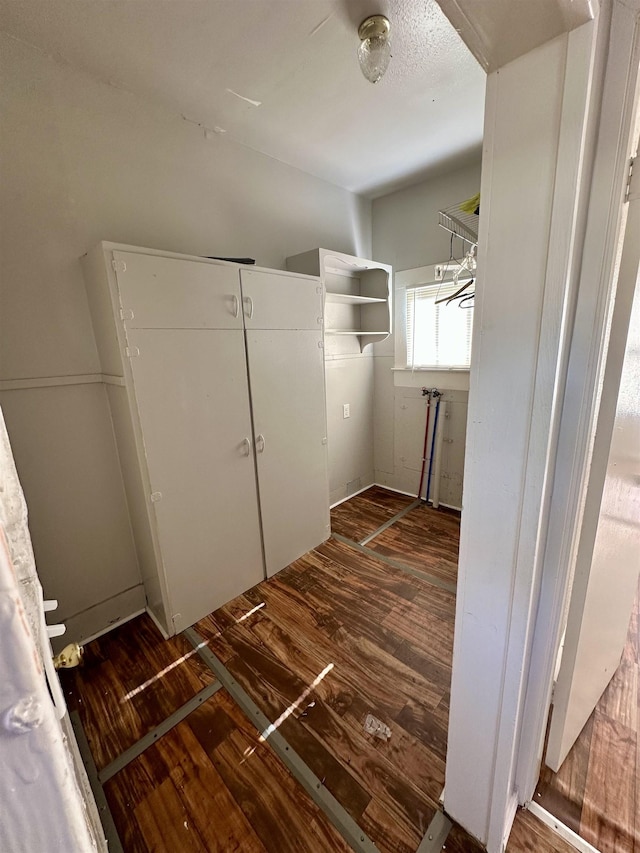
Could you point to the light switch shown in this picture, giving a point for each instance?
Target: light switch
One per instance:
(346, 410)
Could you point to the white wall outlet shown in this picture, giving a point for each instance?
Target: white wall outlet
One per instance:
(439, 272)
(346, 410)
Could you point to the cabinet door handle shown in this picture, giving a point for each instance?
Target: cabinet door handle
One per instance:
(249, 302)
(236, 305)
(247, 446)
(260, 442)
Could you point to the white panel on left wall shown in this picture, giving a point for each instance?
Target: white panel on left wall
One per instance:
(66, 456)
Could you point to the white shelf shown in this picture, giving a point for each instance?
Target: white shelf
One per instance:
(357, 294)
(353, 332)
(349, 299)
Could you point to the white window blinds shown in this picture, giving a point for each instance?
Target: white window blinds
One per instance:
(438, 336)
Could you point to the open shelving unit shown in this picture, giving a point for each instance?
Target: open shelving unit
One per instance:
(357, 294)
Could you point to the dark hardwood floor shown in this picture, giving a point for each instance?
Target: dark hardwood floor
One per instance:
(131, 680)
(596, 791)
(335, 636)
(329, 640)
(361, 515)
(210, 784)
(426, 539)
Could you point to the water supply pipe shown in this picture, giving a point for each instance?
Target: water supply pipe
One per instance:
(437, 471)
(433, 442)
(425, 393)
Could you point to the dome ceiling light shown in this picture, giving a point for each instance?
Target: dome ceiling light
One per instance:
(374, 51)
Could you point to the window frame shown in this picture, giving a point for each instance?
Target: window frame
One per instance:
(408, 280)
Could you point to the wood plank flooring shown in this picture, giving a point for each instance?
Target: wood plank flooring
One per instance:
(529, 835)
(426, 539)
(596, 791)
(211, 785)
(131, 680)
(361, 515)
(335, 636)
(329, 640)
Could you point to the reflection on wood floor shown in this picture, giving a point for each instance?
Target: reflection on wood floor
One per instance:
(211, 785)
(132, 679)
(387, 638)
(335, 636)
(596, 792)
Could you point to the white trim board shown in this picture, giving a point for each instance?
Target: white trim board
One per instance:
(389, 489)
(397, 491)
(561, 829)
(348, 497)
(113, 611)
(112, 626)
(59, 381)
(50, 381)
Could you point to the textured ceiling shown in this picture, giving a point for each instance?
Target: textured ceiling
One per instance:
(297, 58)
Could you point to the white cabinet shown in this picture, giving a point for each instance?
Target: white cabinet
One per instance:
(298, 306)
(357, 293)
(286, 367)
(216, 387)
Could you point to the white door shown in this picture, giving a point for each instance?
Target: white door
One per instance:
(274, 300)
(173, 293)
(192, 397)
(608, 562)
(286, 370)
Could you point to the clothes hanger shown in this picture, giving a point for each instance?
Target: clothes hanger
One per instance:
(458, 292)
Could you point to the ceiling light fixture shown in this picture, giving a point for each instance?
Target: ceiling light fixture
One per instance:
(374, 51)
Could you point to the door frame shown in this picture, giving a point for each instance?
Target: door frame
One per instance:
(584, 651)
(509, 623)
(586, 362)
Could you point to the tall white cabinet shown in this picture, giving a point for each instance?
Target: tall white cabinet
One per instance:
(216, 386)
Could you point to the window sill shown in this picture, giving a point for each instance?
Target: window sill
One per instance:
(445, 378)
(430, 369)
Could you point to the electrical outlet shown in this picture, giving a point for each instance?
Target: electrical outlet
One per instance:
(439, 272)
(346, 410)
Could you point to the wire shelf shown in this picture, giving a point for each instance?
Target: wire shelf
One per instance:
(456, 221)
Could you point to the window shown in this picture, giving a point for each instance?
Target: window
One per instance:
(437, 335)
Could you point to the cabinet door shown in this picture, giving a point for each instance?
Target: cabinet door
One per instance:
(275, 301)
(192, 397)
(172, 293)
(286, 369)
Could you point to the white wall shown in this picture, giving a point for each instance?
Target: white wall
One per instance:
(81, 162)
(406, 235)
(349, 379)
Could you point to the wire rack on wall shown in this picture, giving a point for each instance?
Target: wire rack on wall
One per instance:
(456, 221)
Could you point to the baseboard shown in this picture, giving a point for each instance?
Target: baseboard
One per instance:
(446, 506)
(389, 489)
(561, 829)
(95, 621)
(156, 622)
(397, 491)
(411, 495)
(348, 497)
(113, 625)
